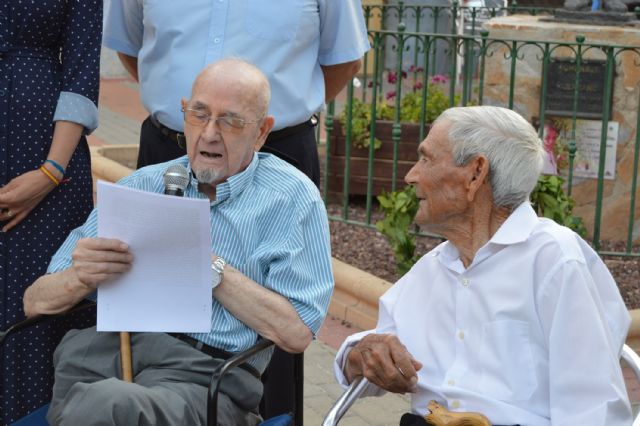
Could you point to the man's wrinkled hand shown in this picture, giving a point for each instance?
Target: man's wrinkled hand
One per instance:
(384, 361)
(96, 260)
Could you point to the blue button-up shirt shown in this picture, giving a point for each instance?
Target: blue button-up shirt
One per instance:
(268, 222)
(287, 39)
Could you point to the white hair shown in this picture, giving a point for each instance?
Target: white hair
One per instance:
(510, 143)
(207, 176)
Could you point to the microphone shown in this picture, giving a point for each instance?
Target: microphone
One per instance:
(175, 179)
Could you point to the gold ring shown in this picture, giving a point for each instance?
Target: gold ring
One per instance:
(401, 372)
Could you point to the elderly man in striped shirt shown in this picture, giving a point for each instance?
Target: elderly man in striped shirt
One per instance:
(270, 253)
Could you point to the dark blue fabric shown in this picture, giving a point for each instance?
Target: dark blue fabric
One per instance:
(281, 420)
(36, 418)
(45, 47)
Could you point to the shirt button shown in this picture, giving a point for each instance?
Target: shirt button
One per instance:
(461, 335)
(455, 404)
(465, 282)
(451, 382)
(216, 40)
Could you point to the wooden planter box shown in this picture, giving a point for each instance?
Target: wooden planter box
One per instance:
(382, 159)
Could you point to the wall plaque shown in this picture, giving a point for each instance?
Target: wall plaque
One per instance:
(561, 83)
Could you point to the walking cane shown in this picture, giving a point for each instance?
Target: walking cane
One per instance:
(125, 356)
(175, 180)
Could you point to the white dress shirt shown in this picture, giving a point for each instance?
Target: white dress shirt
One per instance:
(530, 333)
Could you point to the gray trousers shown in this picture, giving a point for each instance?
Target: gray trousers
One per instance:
(170, 386)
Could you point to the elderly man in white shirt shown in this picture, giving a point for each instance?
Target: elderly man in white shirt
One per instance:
(514, 316)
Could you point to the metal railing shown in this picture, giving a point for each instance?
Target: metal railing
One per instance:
(466, 61)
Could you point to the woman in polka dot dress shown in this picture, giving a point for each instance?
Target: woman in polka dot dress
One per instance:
(49, 75)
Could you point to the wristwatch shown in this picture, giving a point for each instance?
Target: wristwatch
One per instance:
(218, 272)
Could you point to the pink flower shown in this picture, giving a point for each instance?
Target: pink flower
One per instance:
(390, 94)
(417, 86)
(439, 78)
(392, 77)
(413, 68)
(550, 138)
(370, 84)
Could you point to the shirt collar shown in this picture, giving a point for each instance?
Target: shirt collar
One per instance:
(233, 186)
(517, 228)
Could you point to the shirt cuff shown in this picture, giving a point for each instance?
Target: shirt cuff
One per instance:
(341, 361)
(120, 46)
(343, 56)
(78, 109)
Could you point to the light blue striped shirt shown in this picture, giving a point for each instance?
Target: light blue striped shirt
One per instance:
(268, 222)
(289, 40)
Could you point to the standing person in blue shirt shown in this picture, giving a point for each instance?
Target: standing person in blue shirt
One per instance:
(308, 49)
(272, 275)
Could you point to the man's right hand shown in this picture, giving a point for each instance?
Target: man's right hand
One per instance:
(384, 361)
(96, 260)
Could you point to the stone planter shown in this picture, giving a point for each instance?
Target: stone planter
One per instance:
(113, 162)
(382, 159)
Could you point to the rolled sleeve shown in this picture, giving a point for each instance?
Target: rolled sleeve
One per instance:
(78, 109)
(343, 34)
(124, 27)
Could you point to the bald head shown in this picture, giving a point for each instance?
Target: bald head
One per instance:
(234, 72)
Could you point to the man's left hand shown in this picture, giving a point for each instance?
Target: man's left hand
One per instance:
(384, 361)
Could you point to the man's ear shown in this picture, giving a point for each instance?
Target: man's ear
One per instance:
(478, 169)
(183, 103)
(264, 130)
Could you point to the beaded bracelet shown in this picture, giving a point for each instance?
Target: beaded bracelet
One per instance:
(56, 165)
(49, 175)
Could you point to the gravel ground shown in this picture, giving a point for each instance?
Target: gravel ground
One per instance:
(367, 249)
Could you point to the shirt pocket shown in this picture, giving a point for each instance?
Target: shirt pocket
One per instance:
(277, 21)
(506, 361)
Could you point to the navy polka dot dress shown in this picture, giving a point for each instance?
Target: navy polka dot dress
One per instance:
(49, 67)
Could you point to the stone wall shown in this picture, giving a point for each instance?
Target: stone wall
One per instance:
(626, 92)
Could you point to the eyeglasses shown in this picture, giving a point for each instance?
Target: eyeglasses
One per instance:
(226, 123)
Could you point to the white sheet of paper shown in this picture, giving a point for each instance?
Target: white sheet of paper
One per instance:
(168, 287)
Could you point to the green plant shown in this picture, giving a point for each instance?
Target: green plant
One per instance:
(399, 209)
(550, 200)
(410, 108)
(360, 122)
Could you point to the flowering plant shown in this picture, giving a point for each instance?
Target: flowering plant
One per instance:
(554, 145)
(410, 106)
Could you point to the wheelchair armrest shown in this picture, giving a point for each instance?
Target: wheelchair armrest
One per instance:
(26, 323)
(633, 361)
(218, 375)
(346, 400)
